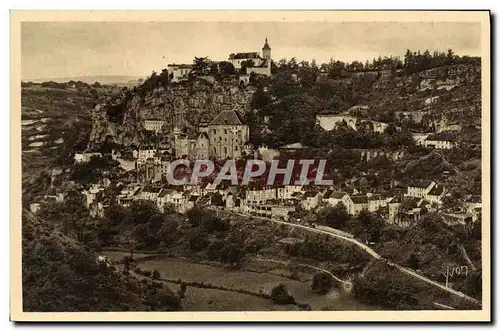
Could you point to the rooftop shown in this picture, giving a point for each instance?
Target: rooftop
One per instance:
(334, 195)
(228, 117)
(245, 55)
(421, 183)
(444, 136)
(437, 190)
(357, 199)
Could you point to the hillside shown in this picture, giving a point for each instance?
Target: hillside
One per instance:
(61, 275)
(105, 80)
(424, 101)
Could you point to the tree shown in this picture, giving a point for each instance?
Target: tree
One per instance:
(156, 274)
(280, 295)
(413, 262)
(244, 65)
(141, 211)
(231, 254)
(201, 65)
(226, 68)
(336, 217)
(322, 283)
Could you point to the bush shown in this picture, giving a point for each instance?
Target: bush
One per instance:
(155, 274)
(322, 283)
(280, 295)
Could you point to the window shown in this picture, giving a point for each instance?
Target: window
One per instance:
(225, 131)
(236, 148)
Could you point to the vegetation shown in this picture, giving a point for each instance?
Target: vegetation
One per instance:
(322, 283)
(280, 295)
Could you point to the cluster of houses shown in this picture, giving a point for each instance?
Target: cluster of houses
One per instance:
(402, 208)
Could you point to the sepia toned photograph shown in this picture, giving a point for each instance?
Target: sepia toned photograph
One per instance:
(270, 166)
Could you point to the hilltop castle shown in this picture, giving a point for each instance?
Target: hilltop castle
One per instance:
(259, 64)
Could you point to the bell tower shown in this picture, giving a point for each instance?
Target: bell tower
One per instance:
(266, 51)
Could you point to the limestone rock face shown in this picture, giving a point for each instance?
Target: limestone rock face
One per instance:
(180, 104)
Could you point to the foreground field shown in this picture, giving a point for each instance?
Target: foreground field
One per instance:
(211, 300)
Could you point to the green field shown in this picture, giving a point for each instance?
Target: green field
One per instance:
(208, 299)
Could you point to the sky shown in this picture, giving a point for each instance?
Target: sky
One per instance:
(70, 49)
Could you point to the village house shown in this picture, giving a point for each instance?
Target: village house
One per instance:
(143, 154)
(34, 208)
(85, 157)
(233, 202)
(310, 200)
(259, 194)
(359, 203)
(147, 193)
(281, 211)
(91, 194)
(420, 137)
(155, 125)
(333, 198)
(419, 188)
(284, 192)
(405, 211)
(436, 194)
(164, 197)
(178, 72)
(328, 122)
(376, 201)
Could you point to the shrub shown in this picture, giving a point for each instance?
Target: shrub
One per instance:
(155, 274)
(322, 283)
(280, 295)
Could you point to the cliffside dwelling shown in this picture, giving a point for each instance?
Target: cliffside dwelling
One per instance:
(224, 137)
(178, 72)
(155, 125)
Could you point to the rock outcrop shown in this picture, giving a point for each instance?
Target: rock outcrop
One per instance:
(181, 104)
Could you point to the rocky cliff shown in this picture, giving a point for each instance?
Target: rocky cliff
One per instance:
(121, 117)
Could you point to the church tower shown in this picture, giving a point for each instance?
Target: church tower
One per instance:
(266, 51)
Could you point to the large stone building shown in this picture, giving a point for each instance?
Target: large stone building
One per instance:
(259, 65)
(224, 137)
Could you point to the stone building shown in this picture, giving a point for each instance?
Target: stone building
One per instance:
(224, 137)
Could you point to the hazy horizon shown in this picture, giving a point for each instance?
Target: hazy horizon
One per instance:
(73, 49)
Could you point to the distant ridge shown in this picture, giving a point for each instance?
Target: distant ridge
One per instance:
(118, 79)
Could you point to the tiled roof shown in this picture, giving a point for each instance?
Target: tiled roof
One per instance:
(376, 197)
(228, 117)
(310, 194)
(444, 136)
(246, 55)
(437, 190)
(334, 195)
(357, 199)
(165, 192)
(421, 183)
